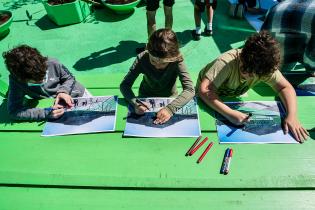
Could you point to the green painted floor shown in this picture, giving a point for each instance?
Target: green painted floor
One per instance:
(106, 171)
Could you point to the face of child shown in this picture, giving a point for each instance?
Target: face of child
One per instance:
(158, 63)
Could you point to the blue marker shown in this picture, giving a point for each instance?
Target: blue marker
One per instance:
(225, 160)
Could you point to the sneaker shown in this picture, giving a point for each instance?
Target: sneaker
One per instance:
(195, 36)
(207, 32)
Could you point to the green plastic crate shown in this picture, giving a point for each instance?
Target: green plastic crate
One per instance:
(66, 14)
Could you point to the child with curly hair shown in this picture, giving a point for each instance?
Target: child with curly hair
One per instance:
(237, 70)
(38, 77)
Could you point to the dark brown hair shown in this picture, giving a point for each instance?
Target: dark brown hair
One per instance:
(25, 63)
(163, 44)
(261, 54)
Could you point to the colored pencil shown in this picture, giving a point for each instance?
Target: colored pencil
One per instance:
(198, 146)
(204, 152)
(193, 146)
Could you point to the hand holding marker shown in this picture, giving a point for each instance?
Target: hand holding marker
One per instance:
(142, 104)
(246, 121)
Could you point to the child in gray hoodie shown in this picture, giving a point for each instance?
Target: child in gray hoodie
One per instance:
(38, 77)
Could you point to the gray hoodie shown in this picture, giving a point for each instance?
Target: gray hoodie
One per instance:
(58, 80)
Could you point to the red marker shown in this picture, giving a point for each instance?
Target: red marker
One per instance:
(193, 146)
(227, 169)
(197, 147)
(205, 152)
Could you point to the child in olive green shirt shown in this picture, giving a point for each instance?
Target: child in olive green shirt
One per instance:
(160, 65)
(234, 72)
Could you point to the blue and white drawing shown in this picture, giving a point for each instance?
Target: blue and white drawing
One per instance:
(88, 115)
(264, 125)
(184, 123)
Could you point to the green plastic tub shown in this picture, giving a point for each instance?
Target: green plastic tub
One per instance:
(122, 8)
(4, 28)
(69, 13)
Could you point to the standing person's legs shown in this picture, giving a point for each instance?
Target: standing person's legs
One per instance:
(210, 7)
(168, 12)
(198, 9)
(152, 6)
(151, 24)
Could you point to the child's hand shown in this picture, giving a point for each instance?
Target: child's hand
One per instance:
(238, 118)
(162, 116)
(57, 111)
(63, 97)
(292, 124)
(140, 109)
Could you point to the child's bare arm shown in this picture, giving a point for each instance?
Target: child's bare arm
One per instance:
(207, 92)
(288, 98)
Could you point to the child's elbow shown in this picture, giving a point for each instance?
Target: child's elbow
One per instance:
(122, 87)
(202, 92)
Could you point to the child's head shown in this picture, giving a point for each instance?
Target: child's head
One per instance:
(26, 64)
(163, 48)
(260, 55)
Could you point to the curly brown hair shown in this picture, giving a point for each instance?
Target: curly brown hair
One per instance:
(260, 55)
(25, 63)
(163, 43)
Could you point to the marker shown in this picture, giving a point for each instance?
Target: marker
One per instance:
(140, 102)
(227, 169)
(205, 152)
(224, 162)
(197, 147)
(51, 109)
(193, 146)
(247, 118)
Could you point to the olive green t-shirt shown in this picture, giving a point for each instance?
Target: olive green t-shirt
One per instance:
(224, 73)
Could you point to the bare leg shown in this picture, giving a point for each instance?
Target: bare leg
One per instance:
(151, 24)
(168, 11)
(197, 16)
(209, 11)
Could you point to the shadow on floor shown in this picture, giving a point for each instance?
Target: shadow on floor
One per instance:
(112, 55)
(312, 134)
(45, 23)
(184, 37)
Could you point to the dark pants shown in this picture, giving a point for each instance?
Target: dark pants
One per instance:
(201, 5)
(153, 5)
